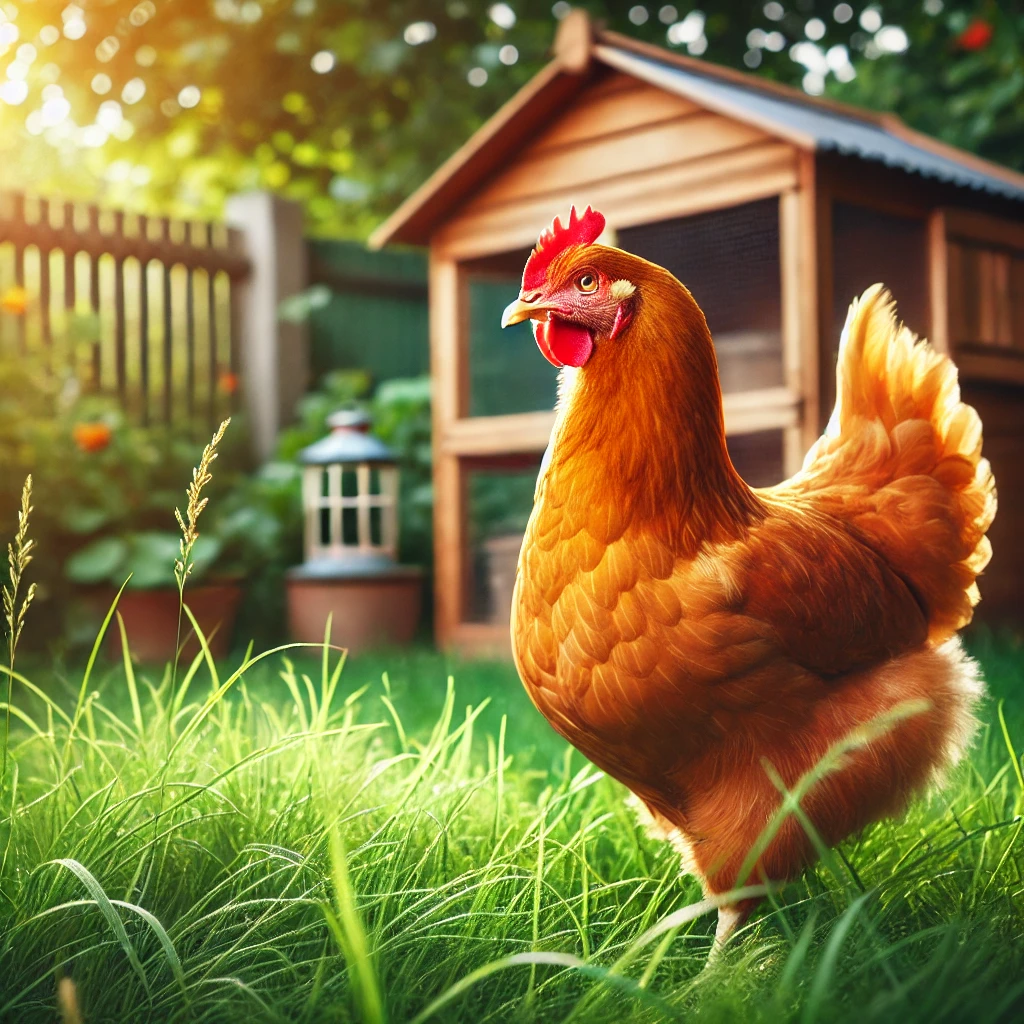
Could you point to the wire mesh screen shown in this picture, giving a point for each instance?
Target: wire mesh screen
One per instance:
(758, 457)
(729, 259)
(869, 246)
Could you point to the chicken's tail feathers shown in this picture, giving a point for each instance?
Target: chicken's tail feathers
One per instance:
(901, 459)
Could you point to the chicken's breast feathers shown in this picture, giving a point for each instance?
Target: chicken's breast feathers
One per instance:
(625, 643)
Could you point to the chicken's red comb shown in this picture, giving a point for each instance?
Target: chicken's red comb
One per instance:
(581, 230)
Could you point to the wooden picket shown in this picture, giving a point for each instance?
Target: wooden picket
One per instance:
(156, 299)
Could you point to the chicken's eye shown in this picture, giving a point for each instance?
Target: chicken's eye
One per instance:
(586, 283)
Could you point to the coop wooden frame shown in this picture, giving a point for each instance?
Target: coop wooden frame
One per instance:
(641, 147)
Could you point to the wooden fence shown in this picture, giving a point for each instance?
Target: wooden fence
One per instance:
(142, 309)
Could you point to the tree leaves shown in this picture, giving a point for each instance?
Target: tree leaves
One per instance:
(353, 140)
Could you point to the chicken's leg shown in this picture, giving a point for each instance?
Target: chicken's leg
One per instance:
(730, 917)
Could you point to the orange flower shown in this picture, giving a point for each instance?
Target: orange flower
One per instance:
(976, 36)
(14, 300)
(227, 382)
(91, 437)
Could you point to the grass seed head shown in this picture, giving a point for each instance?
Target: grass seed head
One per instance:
(19, 554)
(67, 1002)
(188, 522)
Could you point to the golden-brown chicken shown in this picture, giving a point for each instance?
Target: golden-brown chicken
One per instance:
(692, 636)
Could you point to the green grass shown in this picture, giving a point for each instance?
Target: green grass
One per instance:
(292, 842)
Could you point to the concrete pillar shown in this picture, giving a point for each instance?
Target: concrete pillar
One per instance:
(273, 356)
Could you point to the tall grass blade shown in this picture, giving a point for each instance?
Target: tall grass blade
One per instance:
(348, 932)
(111, 916)
(129, 675)
(1014, 756)
(825, 970)
(87, 674)
(831, 761)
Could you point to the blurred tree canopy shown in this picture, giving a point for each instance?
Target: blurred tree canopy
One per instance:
(347, 105)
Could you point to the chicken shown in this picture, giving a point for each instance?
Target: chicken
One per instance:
(707, 643)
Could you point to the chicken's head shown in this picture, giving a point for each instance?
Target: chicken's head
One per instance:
(571, 291)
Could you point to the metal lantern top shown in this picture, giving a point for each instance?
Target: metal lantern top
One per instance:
(348, 442)
(350, 503)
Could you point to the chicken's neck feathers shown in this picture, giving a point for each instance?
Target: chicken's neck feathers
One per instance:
(645, 439)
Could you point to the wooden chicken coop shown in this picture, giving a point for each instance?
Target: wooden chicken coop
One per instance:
(773, 207)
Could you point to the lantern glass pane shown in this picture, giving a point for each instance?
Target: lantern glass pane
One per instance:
(323, 514)
(374, 480)
(376, 526)
(349, 483)
(349, 527)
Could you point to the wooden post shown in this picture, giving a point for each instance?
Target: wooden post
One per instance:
(168, 330)
(144, 412)
(938, 282)
(45, 298)
(68, 267)
(273, 356)
(94, 300)
(19, 266)
(816, 225)
(806, 293)
(795, 439)
(120, 361)
(190, 343)
(447, 369)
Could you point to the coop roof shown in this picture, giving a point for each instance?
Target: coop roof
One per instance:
(810, 123)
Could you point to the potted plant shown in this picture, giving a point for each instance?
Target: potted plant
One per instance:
(122, 480)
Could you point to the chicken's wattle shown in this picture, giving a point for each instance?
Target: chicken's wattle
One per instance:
(563, 343)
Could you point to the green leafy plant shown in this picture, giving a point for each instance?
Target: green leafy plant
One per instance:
(103, 486)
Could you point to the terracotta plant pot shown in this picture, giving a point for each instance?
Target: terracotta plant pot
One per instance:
(502, 558)
(368, 611)
(151, 621)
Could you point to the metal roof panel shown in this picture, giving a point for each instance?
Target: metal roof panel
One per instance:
(824, 128)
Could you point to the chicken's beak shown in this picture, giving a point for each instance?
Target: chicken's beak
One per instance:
(520, 309)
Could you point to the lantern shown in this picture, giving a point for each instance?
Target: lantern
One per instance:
(350, 496)
(350, 511)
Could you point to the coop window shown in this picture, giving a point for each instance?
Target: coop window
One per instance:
(507, 374)
(986, 295)
(729, 259)
(758, 457)
(499, 496)
(869, 246)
